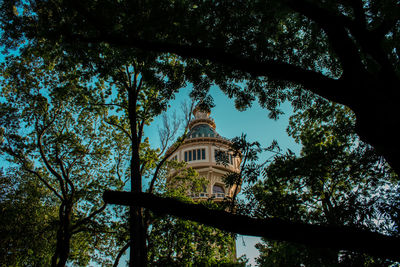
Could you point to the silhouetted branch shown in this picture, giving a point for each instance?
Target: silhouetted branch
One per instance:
(120, 253)
(334, 237)
(187, 111)
(90, 216)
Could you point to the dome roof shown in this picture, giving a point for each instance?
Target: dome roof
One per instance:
(202, 130)
(202, 125)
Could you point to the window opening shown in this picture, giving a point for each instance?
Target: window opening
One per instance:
(222, 157)
(195, 154)
(218, 191)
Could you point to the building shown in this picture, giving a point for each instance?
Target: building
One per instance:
(209, 154)
(203, 150)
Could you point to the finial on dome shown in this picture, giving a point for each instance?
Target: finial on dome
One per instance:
(201, 111)
(202, 116)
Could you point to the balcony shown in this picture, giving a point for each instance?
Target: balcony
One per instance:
(206, 195)
(218, 195)
(199, 195)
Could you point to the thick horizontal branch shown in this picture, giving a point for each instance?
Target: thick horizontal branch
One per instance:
(311, 80)
(314, 81)
(274, 69)
(341, 238)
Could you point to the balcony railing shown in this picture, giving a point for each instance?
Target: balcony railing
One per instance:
(218, 195)
(199, 195)
(206, 195)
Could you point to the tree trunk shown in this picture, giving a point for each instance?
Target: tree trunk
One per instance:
(138, 254)
(137, 231)
(63, 247)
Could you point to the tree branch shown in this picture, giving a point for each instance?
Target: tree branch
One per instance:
(109, 104)
(334, 237)
(120, 253)
(24, 165)
(161, 163)
(89, 217)
(177, 145)
(128, 76)
(64, 173)
(118, 166)
(387, 24)
(44, 158)
(44, 181)
(119, 127)
(168, 131)
(359, 14)
(312, 80)
(334, 28)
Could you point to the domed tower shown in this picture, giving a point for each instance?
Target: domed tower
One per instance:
(202, 150)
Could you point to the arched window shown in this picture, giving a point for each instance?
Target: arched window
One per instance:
(218, 191)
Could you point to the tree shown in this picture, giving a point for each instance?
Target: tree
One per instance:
(27, 231)
(344, 51)
(144, 84)
(139, 86)
(54, 141)
(336, 180)
(249, 170)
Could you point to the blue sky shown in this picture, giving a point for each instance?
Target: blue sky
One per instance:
(230, 123)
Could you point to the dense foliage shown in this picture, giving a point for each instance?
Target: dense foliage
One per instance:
(27, 216)
(336, 180)
(177, 242)
(62, 148)
(273, 51)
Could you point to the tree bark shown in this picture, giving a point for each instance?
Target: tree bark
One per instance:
(138, 253)
(64, 234)
(120, 253)
(334, 237)
(137, 231)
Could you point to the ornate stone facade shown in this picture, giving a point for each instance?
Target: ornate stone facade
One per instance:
(200, 150)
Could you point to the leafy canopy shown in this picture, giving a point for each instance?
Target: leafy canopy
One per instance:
(336, 180)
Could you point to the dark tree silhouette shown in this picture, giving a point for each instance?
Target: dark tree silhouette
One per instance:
(343, 51)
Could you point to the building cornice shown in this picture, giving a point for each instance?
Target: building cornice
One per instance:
(202, 121)
(202, 140)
